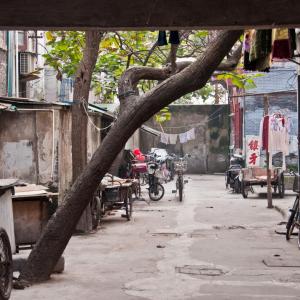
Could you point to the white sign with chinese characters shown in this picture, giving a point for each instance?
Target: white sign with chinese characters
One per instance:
(252, 151)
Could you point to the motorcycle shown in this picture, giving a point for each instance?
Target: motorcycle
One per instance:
(232, 175)
(156, 190)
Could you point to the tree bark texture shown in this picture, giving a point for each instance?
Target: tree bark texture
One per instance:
(82, 85)
(138, 109)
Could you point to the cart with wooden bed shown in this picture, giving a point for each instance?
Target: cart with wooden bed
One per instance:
(113, 193)
(258, 176)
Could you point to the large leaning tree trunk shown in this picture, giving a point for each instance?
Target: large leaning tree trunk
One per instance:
(82, 86)
(135, 111)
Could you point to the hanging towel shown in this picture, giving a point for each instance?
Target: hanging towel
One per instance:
(162, 38)
(191, 134)
(173, 139)
(164, 138)
(281, 44)
(293, 42)
(183, 138)
(174, 38)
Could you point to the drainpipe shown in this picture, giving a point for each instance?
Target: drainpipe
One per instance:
(10, 64)
(17, 63)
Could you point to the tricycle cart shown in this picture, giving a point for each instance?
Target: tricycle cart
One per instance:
(115, 193)
(258, 176)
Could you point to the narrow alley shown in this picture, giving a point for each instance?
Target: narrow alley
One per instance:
(213, 245)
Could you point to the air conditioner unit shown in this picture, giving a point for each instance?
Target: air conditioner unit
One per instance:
(26, 62)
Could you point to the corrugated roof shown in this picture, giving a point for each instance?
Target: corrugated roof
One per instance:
(27, 101)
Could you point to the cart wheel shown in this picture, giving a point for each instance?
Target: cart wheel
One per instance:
(6, 268)
(128, 205)
(237, 186)
(96, 211)
(281, 188)
(244, 189)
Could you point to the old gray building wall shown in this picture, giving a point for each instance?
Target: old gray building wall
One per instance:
(209, 151)
(29, 146)
(64, 164)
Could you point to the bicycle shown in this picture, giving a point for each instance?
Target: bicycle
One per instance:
(294, 219)
(6, 268)
(180, 167)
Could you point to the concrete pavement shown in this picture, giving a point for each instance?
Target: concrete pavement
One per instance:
(214, 245)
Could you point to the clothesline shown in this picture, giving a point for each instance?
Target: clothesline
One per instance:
(169, 138)
(192, 125)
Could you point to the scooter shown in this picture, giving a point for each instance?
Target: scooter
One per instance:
(232, 175)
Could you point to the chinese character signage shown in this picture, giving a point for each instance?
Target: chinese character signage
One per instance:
(252, 151)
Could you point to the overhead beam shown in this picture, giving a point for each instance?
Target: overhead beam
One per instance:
(148, 14)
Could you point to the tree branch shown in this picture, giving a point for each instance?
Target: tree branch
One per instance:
(129, 80)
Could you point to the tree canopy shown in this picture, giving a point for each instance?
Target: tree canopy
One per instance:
(119, 51)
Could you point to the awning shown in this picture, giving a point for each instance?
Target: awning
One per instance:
(95, 108)
(150, 130)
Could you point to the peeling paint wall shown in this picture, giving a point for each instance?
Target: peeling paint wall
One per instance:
(29, 150)
(209, 151)
(17, 146)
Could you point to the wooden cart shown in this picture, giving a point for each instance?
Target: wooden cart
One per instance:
(258, 176)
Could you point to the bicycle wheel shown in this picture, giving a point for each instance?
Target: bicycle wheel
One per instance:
(180, 188)
(244, 189)
(6, 270)
(292, 219)
(128, 205)
(156, 191)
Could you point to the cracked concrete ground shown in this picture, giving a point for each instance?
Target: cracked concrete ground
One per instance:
(214, 245)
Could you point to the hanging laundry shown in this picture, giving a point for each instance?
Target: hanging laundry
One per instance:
(246, 50)
(281, 44)
(174, 38)
(164, 138)
(274, 135)
(260, 53)
(183, 138)
(162, 38)
(173, 139)
(191, 134)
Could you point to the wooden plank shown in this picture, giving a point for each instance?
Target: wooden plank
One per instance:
(144, 14)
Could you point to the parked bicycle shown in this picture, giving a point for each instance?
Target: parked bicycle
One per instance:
(294, 219)
(6, 268)
(180, 166)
